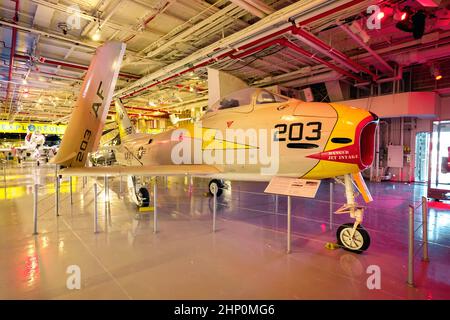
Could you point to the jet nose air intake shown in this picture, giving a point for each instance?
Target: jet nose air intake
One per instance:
(366, 129)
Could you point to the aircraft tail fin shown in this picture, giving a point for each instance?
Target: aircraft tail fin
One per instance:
(89, 115)
(125, 126)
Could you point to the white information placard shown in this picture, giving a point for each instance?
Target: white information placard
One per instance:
(293, 187)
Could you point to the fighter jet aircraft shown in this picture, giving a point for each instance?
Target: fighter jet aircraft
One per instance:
(250, 135)
(33, 149)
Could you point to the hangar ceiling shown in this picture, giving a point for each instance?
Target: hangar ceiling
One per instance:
(47, 46)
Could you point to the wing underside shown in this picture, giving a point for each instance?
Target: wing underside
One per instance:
(163, 170)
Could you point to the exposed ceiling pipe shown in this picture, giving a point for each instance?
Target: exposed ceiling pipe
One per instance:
(250, 8)
(65, 9)
(360, 42)
(48, 34)
(110, 14)
(301, 73)
(157, 47)
(335, 54)
(45, 60)
(309, 80)
(13, 50)
(326, 53)
(91, 46)
(398, 76)
(187, 27)
(319, 60)
(141, 26)
(26, 72)
(251, 36)
(261, 6)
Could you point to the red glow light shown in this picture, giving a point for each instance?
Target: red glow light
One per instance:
(404, 15)
(380, 15)
(439, 77)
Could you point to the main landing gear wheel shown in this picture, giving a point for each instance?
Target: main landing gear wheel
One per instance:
(219, 187)
(360, 241)
(144, 196)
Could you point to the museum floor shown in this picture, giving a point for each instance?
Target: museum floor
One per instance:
(244, 259)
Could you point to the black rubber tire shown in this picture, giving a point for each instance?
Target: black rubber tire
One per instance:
(364, 235)
(220, 186)
(145, 196)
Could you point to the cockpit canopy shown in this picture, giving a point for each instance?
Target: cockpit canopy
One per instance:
(248, 97)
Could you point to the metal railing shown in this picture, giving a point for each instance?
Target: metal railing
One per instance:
(423, 205)
(96, 193)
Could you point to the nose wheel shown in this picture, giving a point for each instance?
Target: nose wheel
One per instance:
(352, 236)
(356, 241)
(216, 184)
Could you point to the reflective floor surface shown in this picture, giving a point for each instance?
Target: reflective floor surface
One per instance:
(244, 259)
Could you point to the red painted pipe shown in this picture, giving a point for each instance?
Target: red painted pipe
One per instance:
(12, 52)
(319, 60)
(297, 49)
(329, 12)
(257, 42)
(334, 52)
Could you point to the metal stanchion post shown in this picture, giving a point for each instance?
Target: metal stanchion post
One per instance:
(425, 229)
(214, 190)
(155, 210)
(276, 203)
(105, 194)
(289, 224)
(95, 209)
(56, 191)
(331, 204)
(4, 174)
(71, 190)
(411, 247)
(120, 185)
(4, 178)
(35, 209)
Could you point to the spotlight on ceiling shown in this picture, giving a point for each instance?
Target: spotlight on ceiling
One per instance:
(436, 71)
(402, 14)
(97, 35)
(412, 22)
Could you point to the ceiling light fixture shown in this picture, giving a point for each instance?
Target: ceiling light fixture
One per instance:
(97, 35)
(412, 22)
(436, 71)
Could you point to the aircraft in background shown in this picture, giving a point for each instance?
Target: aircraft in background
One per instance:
(33, 149)
(315, 141)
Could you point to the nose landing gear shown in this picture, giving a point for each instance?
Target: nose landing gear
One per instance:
(352, 236)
